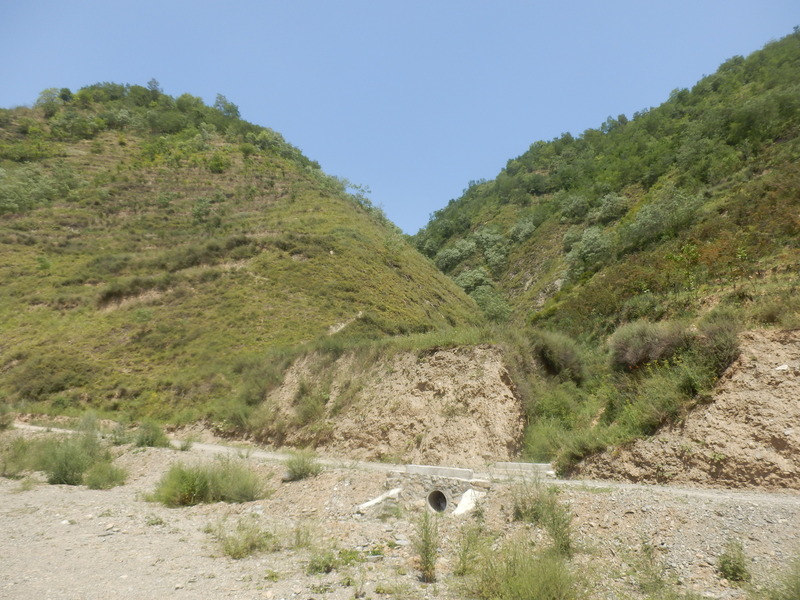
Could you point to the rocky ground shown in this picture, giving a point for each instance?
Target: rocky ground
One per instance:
(71, 542)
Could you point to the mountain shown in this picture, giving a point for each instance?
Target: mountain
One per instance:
(641, 217)
(625, 261)
(161, 257)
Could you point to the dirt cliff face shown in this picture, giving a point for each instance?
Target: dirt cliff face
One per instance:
(442, 406)
(748, 436)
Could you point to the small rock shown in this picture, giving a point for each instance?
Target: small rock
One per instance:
(782, 368)
(178, 586)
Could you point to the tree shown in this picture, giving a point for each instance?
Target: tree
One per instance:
(226, 107)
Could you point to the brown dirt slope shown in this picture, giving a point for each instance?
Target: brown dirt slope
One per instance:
(748, 436)
(452, 406)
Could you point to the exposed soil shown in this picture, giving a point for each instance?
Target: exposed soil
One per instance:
(445, 406)
(748, 436)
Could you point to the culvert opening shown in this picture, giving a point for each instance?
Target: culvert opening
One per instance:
(437, 501)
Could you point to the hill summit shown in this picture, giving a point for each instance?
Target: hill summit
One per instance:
(160, 256)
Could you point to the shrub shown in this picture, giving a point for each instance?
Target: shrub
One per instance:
(66, 460)
(732, 563)
(322, 561)
(104, 476)
(719, 341)
(223, 480)
(426, 545)
(559, 355)
(514, 572)
(301, 465)
(640, 342)
(150, 434)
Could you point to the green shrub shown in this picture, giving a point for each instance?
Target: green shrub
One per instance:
(426, 545)
(322, 561)
(558, 354)
(515, 572)
(732, 563)
(719, 340)
(640, 342)
(223, 480)
(150, 434)
(301, 465)
(65, 461)
(104, 475)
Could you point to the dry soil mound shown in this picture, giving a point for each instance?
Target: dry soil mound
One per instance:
(749, 436)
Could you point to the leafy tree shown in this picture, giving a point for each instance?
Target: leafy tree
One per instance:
(226, 107)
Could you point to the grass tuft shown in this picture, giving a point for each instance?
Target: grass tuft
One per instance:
(301, 465)
(223, 480)
(104, 475)
(245, 538)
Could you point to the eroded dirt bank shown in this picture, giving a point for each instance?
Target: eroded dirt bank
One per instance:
(748, 436)
(443, 406)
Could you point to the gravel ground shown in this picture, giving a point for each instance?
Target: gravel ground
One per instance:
(74, 543)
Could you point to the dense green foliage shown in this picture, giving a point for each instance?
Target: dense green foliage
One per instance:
(608, 250)
(697, 190)
(166, 258)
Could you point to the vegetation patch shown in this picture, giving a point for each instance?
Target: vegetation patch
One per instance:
(223, 480)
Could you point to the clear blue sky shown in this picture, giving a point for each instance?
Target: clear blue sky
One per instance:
(412, 98)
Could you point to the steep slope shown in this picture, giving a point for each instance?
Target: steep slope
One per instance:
(642, 217)
(160, 255)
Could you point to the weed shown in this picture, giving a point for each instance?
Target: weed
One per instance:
(537, 504)
(301, 465)
(66, 460)
(426, 545)
(471, 544)
(302, 536)
(223, 480)
(732, 563)
(514, 572)
(186, 444)
(245, 538)
(153, 521)
(15, 457)
(104, 475)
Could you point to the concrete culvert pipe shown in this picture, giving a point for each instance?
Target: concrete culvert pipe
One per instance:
(437, 501)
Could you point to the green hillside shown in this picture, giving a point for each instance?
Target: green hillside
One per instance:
(633, 252)
(700, 191)
(160, 256)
